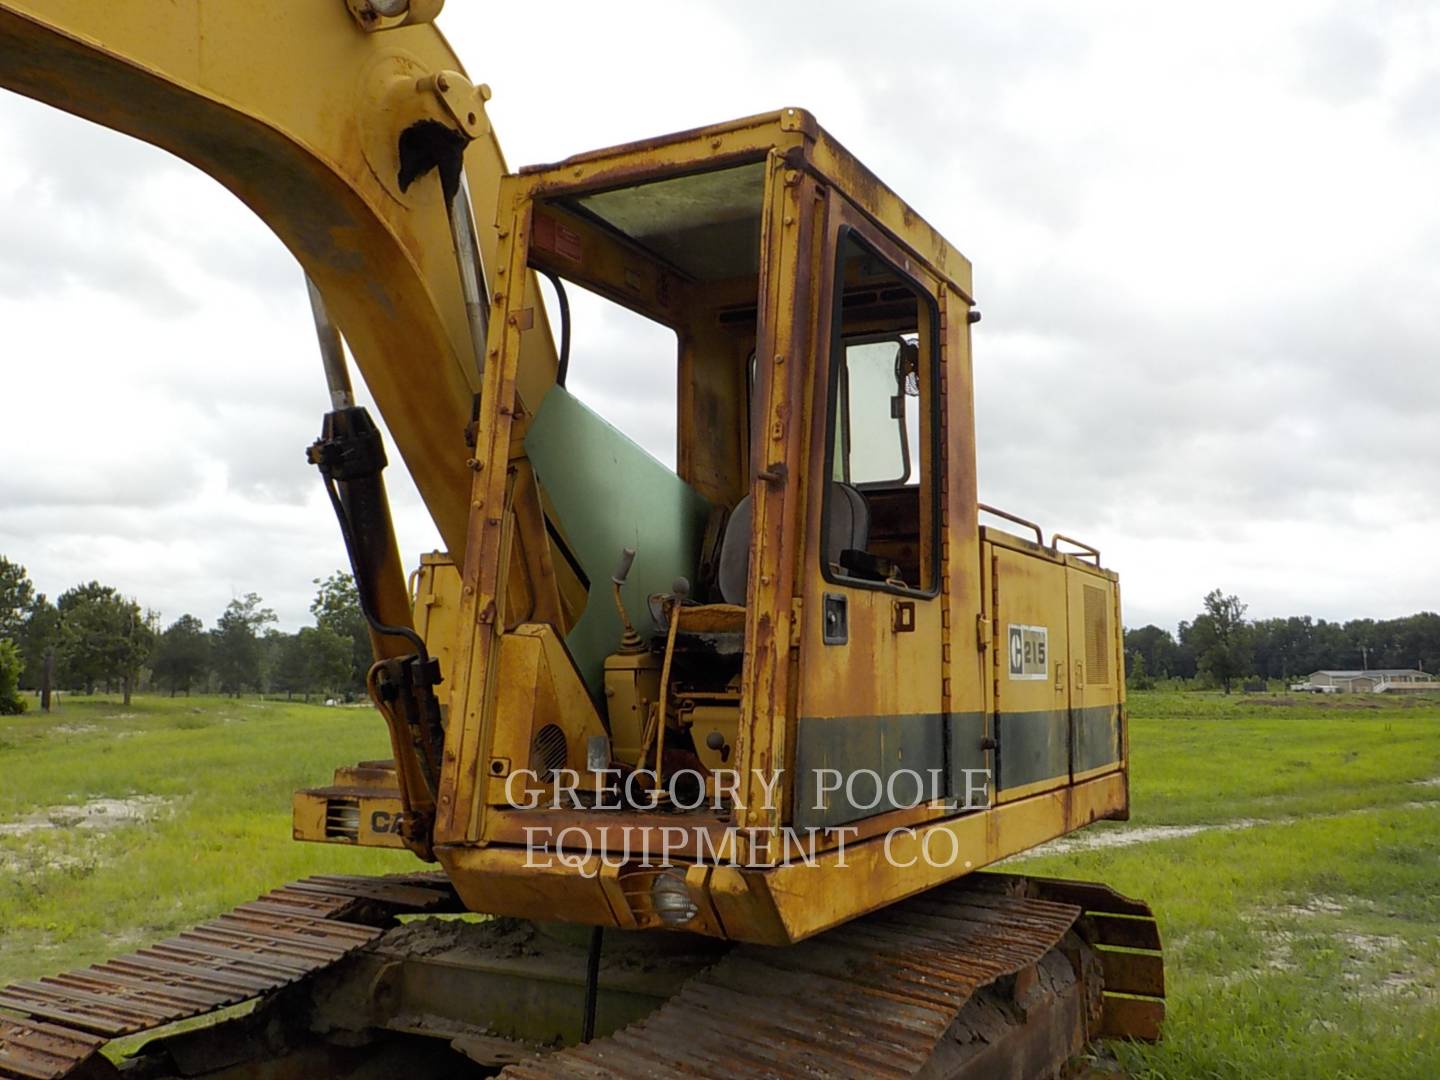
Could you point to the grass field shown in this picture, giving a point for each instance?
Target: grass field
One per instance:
(118, 826)
(1290, 847)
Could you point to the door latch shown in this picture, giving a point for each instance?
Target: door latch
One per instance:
(836, 620)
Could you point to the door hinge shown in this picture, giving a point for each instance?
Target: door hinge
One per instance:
(795, 605)
(982, 632)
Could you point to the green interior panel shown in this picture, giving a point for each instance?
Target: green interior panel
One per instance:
(609, 494)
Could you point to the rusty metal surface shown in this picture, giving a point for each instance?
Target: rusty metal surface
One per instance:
(62, 1021)
(37, 1051)
(870, 999)
(1126, 938)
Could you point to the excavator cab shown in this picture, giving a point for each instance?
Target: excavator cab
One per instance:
(696, 698)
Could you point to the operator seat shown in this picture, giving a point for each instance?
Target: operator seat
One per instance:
(849, 530)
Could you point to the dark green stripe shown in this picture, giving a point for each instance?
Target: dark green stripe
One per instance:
(852, 744)
(1032, 746)
(1097, 737)
(1047, 744)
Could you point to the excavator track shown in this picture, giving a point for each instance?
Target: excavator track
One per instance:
(62, 1021)
(881, 996)
(945, 984)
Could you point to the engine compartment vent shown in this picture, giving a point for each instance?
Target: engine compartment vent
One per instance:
(1097, 637)
(548, 750)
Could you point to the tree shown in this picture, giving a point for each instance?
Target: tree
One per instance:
(11, 702)
(1222, 638)
(272, 642)
(337, 608)
(235, 644)
(182, 655)
(291, 676)
(39, 644)
(1136, 675)
(1154, 647)
(328, 659)
(104, 638)
(17, 595)
(316, 660)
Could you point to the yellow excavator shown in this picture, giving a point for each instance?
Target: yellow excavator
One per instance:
(719, 749)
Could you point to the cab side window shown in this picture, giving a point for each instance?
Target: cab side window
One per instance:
(878, 529)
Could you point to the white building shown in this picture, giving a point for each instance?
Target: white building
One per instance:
(1375, 681)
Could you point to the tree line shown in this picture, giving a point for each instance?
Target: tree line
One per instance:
(1222, 646)
(93, 637)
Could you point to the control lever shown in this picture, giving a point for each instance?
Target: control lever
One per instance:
(629, 641)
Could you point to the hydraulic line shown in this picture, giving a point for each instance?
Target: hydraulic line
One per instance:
(562, 367)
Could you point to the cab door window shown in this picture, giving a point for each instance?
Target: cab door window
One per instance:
(878, 529)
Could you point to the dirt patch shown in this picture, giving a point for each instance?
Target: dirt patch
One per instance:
(73, 729)
(1117, 838)
(1319, 905)
(1104, 839)
(1372, 965)
(1365, 952)
(100, 814)
(25, 864)
(432, 936)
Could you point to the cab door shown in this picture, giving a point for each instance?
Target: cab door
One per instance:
(870, 734)
(1032, 719)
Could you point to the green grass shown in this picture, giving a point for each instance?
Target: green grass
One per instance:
(1304, 939)
(1302, 931)
(225, 770)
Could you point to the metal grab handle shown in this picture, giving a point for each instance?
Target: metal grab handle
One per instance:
(1085, 549)
(1039, 535)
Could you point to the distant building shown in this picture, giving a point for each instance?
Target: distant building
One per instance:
(1374, 681)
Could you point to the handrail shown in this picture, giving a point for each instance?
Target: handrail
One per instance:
(1085, 549)
(1039, 536)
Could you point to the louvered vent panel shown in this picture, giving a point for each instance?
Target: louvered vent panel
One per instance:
(1097, 637)
(548, 751)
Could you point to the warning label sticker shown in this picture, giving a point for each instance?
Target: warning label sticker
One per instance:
(1029, 652)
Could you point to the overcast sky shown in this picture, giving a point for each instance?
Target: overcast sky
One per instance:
(1206, 244)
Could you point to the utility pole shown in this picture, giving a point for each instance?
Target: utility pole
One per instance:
(1365, 657)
